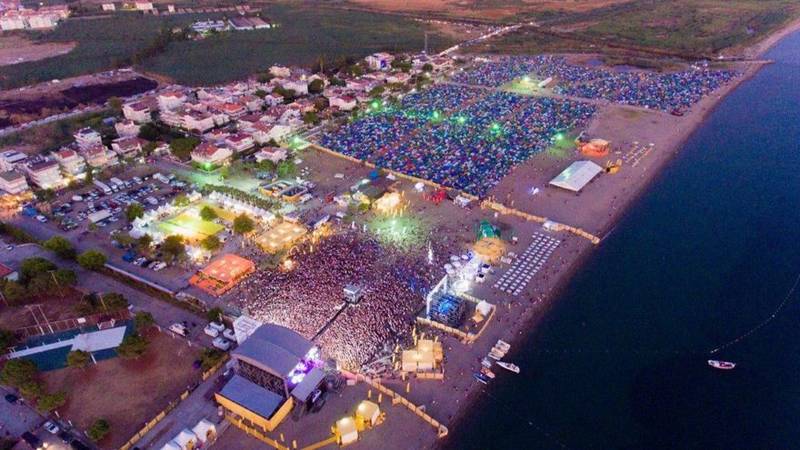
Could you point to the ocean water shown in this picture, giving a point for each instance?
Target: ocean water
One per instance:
(710, 251)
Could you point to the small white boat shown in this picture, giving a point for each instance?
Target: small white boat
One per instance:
(481, 378)
(503, 345)
(486, 362)
(499, 350)
(495, 356)
(508, 366)
(488, 373)
(722, 365)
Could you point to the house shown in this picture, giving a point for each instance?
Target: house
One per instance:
(252, 102)
(217, 135)
(13, 182)
(343, 102)
(263, 133)
(42, 21)
(127, 128)
(198, 121)
(274, 154)
(260, 24)
(7, 273)
(280, 71)
(170, 100)
(379, 61)
(87, 137)
(127, 147)
(241, 23)
(109, 7)
(138, 112)
(143, 6)
(99, 156)
(303, 105)
(11, 22)
(399, 77)
(240, 142)
(45, 174)
(232, 110)
(273, 99)
(246, 122)
(298, 86)
(71, 163)
(209, 155)
(11, 159)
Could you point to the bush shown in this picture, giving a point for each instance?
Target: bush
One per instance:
(182, 148)
(18, 372)
(31, 390)
(133, 346)
(214, 314)
(32, 267)
(7, 339)
(209, 357)
(49, 402)
(243, 224)
(92, 259)
(208, 213)
(211, 243)
(14, 292)
(98, 430)
(60, 246)
(173, 247)
(78, 359)
(143, 320)
(134, 211)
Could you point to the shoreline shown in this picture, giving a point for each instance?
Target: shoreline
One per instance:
(558, 284)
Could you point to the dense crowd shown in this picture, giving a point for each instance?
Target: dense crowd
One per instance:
(669, 91)
(311, 296)
(476, 139)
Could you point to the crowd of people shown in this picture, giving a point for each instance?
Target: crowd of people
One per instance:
(475, 138)
(667, 91)
(310, 297)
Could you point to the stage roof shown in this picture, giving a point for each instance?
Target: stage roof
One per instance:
(274, 348)
(228, 268)
(251, 396)
(576, 176)
(309, 383)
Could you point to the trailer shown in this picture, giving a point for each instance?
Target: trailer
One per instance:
(102, 186)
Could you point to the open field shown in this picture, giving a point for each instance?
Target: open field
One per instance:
(305, 35)
(16, 49)
(126, 393)
(691, 28)
(190, 227)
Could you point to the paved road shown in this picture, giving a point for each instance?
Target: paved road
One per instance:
(17, 418)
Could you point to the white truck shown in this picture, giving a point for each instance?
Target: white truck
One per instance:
(102, 186)
(99, 216)
(117, 183)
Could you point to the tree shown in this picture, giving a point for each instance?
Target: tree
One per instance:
(335, 81)
(115, 103)
(173, 247)
(31, 267)
(60, 246)
(98, 430)
(49, 402)
(114, 301)
(427, 67)
(316, 86)
(78, 359)
(14, 292)
(208, 213)
(132, 346)
(92, 260)
(144, 242)
(209, 357)
(89, 174)
(18, 371)
(149, 148)
(260, 93)
(377, 91)
(310, 118)
(182, 148)
(181, 200)
(149, 132)
(243, 224)
(7, 339)
(65, 277)
(214, 314)
(143, 320)
(211, 243)
(31, 389)
(134, 211)
(286, 168)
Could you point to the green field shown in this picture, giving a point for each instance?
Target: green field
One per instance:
(190, 227)
(689, 28)
(304, 36)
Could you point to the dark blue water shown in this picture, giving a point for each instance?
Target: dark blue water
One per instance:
(707, 253)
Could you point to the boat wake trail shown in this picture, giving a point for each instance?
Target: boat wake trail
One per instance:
(763, 323)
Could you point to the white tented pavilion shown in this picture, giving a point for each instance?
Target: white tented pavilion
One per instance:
(576, 176)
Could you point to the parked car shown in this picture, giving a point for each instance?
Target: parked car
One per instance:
(179, 329)
(221, 343)
(211, 331)
(11, 398)
(51, 427)
(41, 218)
(160, 265)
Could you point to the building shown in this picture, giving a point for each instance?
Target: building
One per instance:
(45, 174)
(127, 147)
(10, 22)
(298, 86)
(379, 61)
(143, 6)
(198, 121)
(11, 159)
(71, 163)
(240, 142)
(87, 137)
(241, 23)
(109, 7)
(223, 273)
(576, 176)
(263, 133)
(274, 154)
(274, 369)
(280, 71)
(13, 182)
(138, 112)
(42, 21)
(210, 156)
(171, 100)
(7, 273)
(343, 102)
(99, 156)
(127, 128)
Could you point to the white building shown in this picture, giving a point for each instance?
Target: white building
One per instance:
(99, 156)
(127, 147)
(45, 174)
(13, 182)
(343, 102)
(280, 71)
(109, 7)
(13, 22)
(11, 159)
(274, 154)
(138, 112)
(240, 142)
(127, 128)
(171, 100)
(87, 137)
(208, 154)
(300, 86)
(263, 133)
(379, 61)
(70, 162)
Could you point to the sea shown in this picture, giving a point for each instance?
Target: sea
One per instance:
(706, 259)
